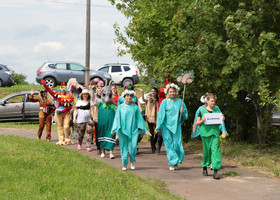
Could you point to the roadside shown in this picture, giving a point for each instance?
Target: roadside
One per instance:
(188, 180)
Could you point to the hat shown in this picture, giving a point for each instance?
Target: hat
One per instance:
(85, 91)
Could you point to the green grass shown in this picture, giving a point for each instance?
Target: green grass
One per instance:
(32, 169)
(230, 173)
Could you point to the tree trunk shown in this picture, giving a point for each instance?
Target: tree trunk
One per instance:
(256, 103)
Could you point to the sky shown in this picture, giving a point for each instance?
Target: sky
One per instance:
(35, 31)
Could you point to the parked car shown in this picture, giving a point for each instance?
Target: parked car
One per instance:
(54, 73)
(6, 76)
(122, 73)
(17, 107)
(275, 117)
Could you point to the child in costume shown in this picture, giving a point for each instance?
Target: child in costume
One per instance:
(170, 122)
(151, 112)
(210, 137)
(115, 92)
(106, 113)
(62, 115)
(129, 124)
(82, 118)
(46, 103)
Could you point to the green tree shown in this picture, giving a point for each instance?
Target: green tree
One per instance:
(20, 79)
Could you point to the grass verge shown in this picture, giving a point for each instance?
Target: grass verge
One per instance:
(32, 169)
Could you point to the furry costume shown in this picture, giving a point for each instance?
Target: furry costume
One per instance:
(62, 116)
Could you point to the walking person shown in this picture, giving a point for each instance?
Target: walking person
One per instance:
(82, 118)
(46, 103)
(210, 135)
(151, 112)
(172, 113)
(129, 124)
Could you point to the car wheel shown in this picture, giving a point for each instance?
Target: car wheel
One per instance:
(50, 82)
(127, 81)
(1, 83)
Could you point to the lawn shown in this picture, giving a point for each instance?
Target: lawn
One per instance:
(32, 169)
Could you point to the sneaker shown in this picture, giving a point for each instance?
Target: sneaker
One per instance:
(79, 147)
(216, 176)
(132, 166)
(89, 149)
(48, 140)
(124, 169)
(171, 168)
(102, 155)
(176, 166)
(112, 156)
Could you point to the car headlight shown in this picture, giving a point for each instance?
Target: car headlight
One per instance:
(8, 72)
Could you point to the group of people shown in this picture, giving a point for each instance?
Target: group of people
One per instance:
(104, 117)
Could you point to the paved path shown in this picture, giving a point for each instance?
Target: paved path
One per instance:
(188, 180)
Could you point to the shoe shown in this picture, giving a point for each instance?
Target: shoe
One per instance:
(216, 176)
(171, 168)
(111, 156)
(124, 169)
(158, 150)
(98, 152)
(89, 149)
(38, 138)
(132, 166)
(176, 166)
(205, 173)
(79, 147)
(102, 155)
(48, 140)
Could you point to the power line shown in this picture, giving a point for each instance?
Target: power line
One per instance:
(78, 4)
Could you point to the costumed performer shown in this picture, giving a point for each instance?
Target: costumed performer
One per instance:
(46, 108)
(210, 137)
(169, 122)
(129, 124)
(62, 117)
(82, 118)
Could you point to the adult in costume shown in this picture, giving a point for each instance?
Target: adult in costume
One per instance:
(82, 118)
(62, 117)
(46, 103)
(129, 124)
(169, 122)
(210, 138)
(106, 113)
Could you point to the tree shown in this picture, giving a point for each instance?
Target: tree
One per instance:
(20, 79)
(232, 46)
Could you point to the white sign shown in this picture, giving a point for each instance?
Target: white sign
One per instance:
(213, 118)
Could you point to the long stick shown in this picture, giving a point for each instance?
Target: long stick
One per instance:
(182, 101)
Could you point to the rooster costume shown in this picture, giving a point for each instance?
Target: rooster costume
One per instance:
(62, 117)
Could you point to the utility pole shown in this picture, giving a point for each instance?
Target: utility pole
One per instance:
(87, 44)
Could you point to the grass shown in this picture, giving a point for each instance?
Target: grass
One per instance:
(248, 156)
(231, 173)
(32, 169)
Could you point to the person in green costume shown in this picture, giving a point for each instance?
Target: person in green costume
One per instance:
(210, 135)
(129, 124)
(171, 115)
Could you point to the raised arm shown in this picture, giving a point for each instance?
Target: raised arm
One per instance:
(47, 88)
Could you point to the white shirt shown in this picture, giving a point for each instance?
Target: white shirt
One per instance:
(83, 116)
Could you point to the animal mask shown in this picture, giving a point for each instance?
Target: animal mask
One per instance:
(106, 94)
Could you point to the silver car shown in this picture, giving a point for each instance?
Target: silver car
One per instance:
(6, 76)
(55, 73)
(17, 107)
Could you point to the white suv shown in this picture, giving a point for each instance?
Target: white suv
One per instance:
(122, 73)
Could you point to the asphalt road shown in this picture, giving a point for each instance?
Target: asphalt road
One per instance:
(188, 181)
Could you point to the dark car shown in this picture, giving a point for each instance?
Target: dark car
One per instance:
(55, 73)
(6, 76)
(17, 107)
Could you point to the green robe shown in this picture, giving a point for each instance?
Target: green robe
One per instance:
(128, 123)
(168, 120)
(106, 115)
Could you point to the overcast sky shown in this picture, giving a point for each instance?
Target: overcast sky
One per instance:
(35, 31)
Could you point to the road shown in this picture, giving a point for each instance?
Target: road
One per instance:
(188, 181)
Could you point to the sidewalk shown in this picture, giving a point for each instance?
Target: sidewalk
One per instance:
(188, 180)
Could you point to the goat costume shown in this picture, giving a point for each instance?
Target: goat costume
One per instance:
(62, 115)
(45, 113)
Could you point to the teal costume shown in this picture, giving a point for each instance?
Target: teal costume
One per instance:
(197, 132)
(169, 122)
(128, 123)
(210, 135)
(106, 115)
